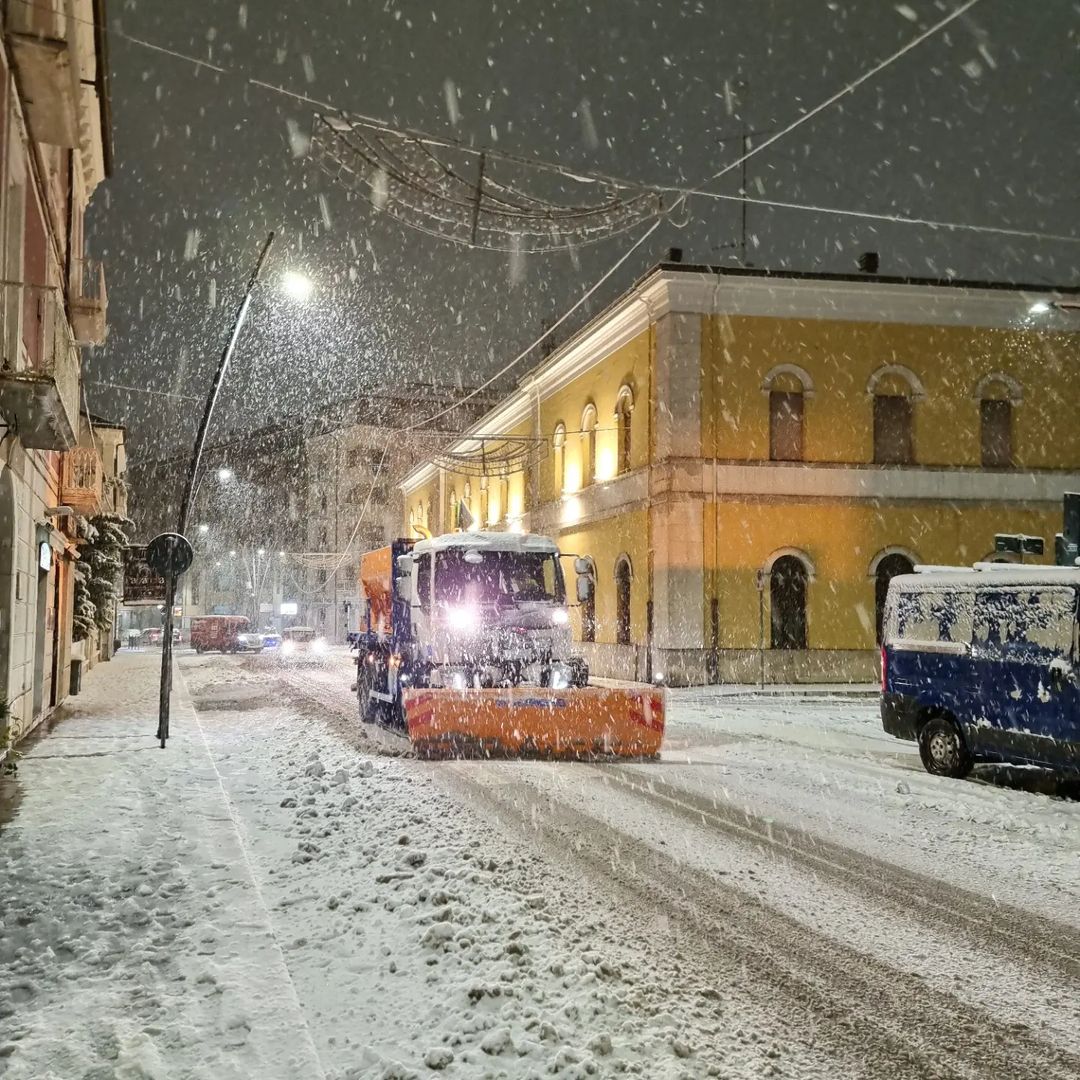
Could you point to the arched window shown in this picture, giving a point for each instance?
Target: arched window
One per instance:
(588, 609)
(558, 443)
(588, 436)
(429, 513)
(624, 408)
(884, 568)
(504, 498)
(453, 508)
(787, 602)
(624, 576)
(997, 394)
(787, 387)
(894, 389)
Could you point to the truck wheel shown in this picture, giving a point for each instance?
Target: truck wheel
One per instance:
(942, 748)
(366, 708)
(397, 713)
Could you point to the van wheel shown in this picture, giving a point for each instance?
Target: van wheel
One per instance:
(942, 748)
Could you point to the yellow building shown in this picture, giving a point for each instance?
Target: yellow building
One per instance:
(748, 457)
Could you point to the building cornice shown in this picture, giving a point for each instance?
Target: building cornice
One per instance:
(812, 480)
(870, 299)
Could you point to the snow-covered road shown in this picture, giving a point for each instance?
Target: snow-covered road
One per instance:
(785, 894)
(801, 864)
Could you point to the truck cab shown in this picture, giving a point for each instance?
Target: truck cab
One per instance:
(491, 610)
(465, 611)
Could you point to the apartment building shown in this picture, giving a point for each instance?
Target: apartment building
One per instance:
(54, 151)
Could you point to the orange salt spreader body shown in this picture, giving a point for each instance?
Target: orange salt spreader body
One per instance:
(467, 651)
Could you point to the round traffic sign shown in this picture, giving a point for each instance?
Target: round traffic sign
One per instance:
(169, 554)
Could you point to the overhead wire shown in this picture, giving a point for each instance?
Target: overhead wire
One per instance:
(675, 189)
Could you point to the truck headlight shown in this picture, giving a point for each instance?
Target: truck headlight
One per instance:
(319, 646)
(287, 648)
(560, 616)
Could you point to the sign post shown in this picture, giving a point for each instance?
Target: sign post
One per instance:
(169, 555)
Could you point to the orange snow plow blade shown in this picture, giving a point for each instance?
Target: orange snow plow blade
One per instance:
(589, 722)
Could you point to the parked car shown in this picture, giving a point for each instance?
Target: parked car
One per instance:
(302, 641)
(983, 665)
(271, 639)
(153, 635)
(218, 633)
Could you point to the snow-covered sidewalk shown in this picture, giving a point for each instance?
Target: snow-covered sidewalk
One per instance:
(271, 897)
(133, 939)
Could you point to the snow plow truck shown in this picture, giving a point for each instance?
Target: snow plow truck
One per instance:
(467, 650)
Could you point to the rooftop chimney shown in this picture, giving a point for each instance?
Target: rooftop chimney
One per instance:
(868, 262)
(674, 255)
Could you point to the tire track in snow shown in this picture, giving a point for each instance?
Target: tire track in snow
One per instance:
(1006, 929)
(882, 1021)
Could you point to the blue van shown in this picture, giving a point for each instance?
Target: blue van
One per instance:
(983, 665)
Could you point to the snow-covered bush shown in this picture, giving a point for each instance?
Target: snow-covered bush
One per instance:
(97, 573)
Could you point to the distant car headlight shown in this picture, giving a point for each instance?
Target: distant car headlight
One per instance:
(319, 645)
(458, 680)
(288, 647)
(560, 616)
(462, 620)
(559, 679)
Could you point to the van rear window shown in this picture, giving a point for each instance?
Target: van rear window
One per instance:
(933, 615)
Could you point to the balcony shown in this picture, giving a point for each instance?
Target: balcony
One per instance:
(41, 401)
(89, 302)
(47, 70)
(82, 485)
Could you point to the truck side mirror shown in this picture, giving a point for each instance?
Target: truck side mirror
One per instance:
(405, 566)
(582, 566)
(584, 588)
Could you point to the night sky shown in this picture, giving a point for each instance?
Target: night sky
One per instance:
(978, 124)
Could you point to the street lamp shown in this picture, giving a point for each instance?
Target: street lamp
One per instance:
(296, 285)
(165, 688)
(224, 475)
(204, 528)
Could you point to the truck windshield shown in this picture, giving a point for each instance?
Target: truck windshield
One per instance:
(497, 577)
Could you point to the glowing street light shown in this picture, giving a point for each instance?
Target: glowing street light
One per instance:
(298, 286)
(224, 475)
(204, 528)
(261, 551)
